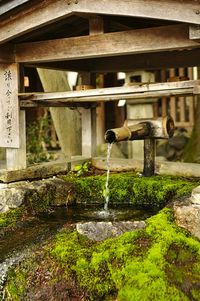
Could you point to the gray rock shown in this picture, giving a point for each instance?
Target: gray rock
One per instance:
(195, 196)
(11, 195)
(99, 231)
(188, 217)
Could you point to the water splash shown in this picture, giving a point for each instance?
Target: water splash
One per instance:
(106, 191)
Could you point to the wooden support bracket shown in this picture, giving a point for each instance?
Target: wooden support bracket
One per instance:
(194, 32)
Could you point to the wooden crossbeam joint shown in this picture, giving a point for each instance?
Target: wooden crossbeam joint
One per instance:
(194, 32)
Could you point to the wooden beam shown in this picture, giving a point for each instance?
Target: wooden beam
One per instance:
(126, 63)
(109, 94)
(173, 37)
(48, 11)
(182, 11)
(6, 6)
(41, 13)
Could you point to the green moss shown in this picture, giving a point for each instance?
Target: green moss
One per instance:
(160, 262)
(16, 285)
(140, 265)
(68, 248)
(128, 188)
(134, 273)
(10, 218)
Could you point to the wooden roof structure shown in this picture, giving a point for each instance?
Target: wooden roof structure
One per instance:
(64, 33)
(93, 36)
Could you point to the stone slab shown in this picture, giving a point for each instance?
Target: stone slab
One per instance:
(162, 167)
(99, 231)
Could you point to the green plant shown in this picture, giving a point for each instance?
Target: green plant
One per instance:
(82, 169)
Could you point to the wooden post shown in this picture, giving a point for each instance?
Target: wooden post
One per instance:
(96, 26)
(149, 157)
(12, 121)
(182, 99)
(173, 98)
(100, 116)
(191, 101)
(16, 158)
(89, 117)
(88, 122)
(164, 98)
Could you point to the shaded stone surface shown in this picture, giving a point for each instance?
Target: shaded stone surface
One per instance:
(187, 214)
(195, 196)
(99, 231)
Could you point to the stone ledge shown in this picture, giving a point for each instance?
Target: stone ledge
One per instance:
(162, 167)
(35, 195)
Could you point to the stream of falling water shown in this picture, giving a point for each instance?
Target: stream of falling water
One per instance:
(106, 194)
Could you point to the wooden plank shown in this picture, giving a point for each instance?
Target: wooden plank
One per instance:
(182, 11)
(10, 5)
(9, 118)
(48, 11)
(87, 102)
(127, 63)
(16, 157)
(107, 94)
(173, 37)
(42, 170)
(39, 14)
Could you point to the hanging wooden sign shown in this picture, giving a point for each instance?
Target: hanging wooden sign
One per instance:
(9, 107)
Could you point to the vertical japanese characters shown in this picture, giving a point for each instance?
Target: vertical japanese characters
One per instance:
(9, 106)
(9, 109)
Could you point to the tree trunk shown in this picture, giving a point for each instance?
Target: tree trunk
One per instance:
(67, 122)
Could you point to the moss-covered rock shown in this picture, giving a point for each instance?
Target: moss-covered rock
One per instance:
(128, 188)
(9, 219)
(160, 262)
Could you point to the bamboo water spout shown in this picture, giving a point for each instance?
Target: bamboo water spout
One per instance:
(147, 130)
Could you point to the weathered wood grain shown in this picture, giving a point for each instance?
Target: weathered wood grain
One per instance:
(6, 54)
(44, 12)
(194, 32)
(172, 37)
(9, 106)
(76, 98)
